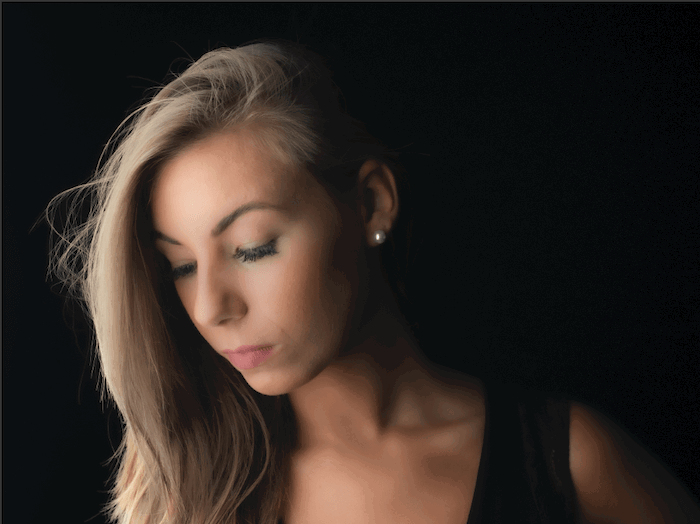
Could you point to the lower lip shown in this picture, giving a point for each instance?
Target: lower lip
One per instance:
(249, 359)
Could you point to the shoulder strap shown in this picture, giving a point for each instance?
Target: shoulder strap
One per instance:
(524, 471)
(545, 423)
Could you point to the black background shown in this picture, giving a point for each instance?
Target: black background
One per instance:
(556, 193)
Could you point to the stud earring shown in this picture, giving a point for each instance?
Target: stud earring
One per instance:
(379, 236)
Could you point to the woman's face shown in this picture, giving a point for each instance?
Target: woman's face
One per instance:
(280, 272)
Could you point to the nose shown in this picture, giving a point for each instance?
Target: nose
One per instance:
(218, 299)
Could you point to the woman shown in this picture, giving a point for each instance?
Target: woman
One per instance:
(251, 331)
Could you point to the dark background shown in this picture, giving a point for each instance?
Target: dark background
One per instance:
(555, 186)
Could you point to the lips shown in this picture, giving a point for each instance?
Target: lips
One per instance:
(248, 357)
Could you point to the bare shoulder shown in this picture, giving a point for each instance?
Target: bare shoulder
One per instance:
(617, 479)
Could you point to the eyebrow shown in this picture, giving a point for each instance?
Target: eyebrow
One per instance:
(224, 222)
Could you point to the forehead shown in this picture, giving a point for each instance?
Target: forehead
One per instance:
(217, 175)
(228, 161)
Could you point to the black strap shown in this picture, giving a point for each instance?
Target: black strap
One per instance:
(524, 471)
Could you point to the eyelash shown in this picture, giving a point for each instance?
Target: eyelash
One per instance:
(251, 255)
(244, 255)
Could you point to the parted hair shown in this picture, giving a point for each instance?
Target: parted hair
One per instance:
(199, 445)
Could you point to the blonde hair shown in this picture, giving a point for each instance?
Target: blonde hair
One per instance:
(199, 445)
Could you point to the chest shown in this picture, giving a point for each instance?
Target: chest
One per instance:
(404, 482)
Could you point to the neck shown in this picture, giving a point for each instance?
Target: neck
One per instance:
(352, 401)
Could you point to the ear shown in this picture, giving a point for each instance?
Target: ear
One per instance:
(378, 199)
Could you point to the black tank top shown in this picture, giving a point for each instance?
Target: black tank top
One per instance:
(524, 471)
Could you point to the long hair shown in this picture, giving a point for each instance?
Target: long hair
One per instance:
(199, 444)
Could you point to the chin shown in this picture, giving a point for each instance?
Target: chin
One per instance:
(273, 382)
(282, 380)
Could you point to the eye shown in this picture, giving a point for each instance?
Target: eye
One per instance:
(251, 255)
(171, 273)
(182, 271)
(244, 255)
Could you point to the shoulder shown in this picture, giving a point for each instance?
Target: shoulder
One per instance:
(617, 479)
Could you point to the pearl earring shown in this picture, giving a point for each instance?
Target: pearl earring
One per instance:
(379, 236)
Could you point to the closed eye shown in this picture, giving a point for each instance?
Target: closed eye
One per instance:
(251, 255)
(244, 255)
(182, 271)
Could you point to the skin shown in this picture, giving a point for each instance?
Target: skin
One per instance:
(375, 416)
(618, 480)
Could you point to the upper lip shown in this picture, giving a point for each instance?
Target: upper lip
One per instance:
(241, 349)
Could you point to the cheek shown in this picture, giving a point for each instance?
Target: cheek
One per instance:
(309, 295)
